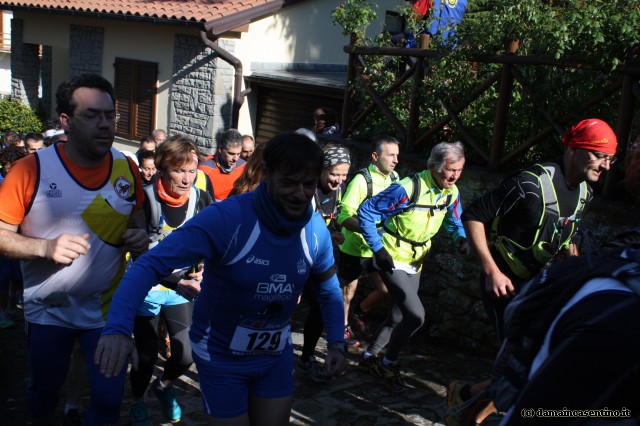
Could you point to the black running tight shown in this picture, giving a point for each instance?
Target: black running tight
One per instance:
(406, 316)
(177, 319)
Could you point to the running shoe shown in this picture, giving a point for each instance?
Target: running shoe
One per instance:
(350, 338)
(167, 396)
(391, 375)
(313, 369)
(72, 418)
(368, 364)
(139, 415)
(466, 413)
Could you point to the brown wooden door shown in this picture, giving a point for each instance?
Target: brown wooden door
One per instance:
(136, 85)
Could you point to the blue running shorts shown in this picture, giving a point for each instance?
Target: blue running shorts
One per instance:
(156, 299)
(227, 382)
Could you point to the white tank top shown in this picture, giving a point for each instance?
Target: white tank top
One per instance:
(77, 295)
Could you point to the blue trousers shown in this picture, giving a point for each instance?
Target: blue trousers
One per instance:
(50, 348)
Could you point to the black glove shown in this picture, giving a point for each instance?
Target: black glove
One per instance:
(383, 260)
(463, 246)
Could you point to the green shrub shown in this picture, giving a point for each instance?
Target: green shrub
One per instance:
(18, 117)
(354, 16)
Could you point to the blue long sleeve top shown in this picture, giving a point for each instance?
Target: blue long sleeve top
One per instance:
(251, 283)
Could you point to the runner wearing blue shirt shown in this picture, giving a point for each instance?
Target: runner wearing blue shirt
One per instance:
(411, 212)
(260, 248)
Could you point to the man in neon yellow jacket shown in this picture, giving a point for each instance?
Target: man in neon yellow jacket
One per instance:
(411, 213)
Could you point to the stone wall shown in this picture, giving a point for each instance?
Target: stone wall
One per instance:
(46, 76)
(223, 107)
(86, 45)
(449, 284)
(201, 103)
(25, 67)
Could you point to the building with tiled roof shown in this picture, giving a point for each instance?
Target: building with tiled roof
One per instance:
(193, 67)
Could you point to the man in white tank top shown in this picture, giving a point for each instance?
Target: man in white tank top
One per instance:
(69, 213)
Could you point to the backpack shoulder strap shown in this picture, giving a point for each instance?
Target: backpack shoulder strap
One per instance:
(547, 191)
(416, 194)
(415, 180)
(154, 225)
(366, 174)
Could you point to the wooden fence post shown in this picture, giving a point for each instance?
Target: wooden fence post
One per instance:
(500, 121)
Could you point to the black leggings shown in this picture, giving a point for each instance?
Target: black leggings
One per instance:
(177, 319)
(406, 315)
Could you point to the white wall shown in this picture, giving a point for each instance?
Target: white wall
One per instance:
(302, 33)
(5, 73)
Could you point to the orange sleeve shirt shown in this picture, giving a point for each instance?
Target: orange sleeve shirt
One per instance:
(16, 192)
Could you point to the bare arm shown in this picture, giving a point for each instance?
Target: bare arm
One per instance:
(497, 283)
(64, 249)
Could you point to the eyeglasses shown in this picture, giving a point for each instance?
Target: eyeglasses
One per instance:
(603, 158)
(95, 116)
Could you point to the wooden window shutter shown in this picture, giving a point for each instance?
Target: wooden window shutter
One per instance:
(136, 89)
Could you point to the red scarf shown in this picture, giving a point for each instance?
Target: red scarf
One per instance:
(168, 197)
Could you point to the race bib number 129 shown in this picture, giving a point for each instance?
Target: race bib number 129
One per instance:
(249, 340)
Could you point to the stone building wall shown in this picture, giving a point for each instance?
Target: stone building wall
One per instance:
(86, 46)
(25, 67)
(201, 91)
(223, 107)
(46, 77)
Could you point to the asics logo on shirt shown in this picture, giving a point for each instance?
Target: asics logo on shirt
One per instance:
(257, 261)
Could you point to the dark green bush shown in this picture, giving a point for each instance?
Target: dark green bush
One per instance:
(18, 117)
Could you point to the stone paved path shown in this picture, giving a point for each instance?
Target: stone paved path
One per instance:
(356, 399)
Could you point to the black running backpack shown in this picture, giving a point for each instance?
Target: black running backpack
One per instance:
(530, 314)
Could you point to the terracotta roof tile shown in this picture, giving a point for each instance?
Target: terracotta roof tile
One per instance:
(204, 13)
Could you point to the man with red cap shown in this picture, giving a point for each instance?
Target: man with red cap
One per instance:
(533, 218)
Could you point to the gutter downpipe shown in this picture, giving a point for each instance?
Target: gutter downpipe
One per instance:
(239, 94)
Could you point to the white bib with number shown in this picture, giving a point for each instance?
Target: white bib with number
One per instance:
(248, 340)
